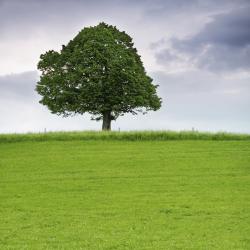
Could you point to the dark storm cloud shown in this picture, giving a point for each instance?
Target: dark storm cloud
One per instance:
(223, 44)
(231, 29)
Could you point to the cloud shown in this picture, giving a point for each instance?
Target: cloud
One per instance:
(199, 97)
(222, 45)
(29, 28)
(20, 110)
(192, 38)
(190, 99)
(18, 86)
(28, 17)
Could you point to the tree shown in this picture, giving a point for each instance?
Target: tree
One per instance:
(98, 72)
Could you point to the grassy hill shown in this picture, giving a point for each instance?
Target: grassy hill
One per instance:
(140, 190)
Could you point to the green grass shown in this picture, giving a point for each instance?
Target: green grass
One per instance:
(123, 136)
(121, 194)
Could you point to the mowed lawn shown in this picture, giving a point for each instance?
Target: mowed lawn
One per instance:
(125, 195)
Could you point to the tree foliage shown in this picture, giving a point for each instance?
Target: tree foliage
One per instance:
(98, 72)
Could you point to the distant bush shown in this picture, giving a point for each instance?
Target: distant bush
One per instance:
(124, 136)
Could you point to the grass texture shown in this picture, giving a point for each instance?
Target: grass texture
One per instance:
(123, 136)
(111, 194)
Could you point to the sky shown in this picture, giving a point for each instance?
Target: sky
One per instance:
(197, 51)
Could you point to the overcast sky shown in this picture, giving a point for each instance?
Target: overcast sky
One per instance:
(198, 51)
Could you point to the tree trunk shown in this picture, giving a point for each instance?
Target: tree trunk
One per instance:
(106, 122)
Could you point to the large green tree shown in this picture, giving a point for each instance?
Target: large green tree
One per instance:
(98, 72)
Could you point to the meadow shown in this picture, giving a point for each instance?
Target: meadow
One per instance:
(130, 190)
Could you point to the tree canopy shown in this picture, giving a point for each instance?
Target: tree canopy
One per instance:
(98, 72)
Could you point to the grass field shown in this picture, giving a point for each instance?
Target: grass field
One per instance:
(124, 136)
(123, 194)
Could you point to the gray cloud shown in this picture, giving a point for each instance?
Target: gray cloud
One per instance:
(222, 45)
(18, 86)
(23, 16)
(20, 110)
(201, 97)
(162, 9)
(30, 27)
(190, 99)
